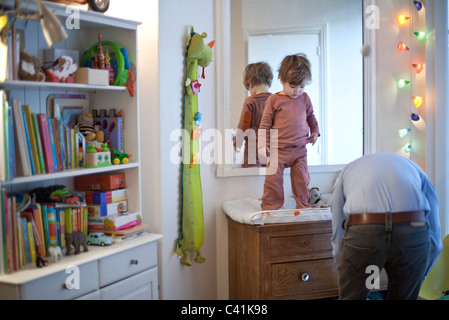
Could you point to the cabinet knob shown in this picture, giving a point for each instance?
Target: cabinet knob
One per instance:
(304, 277)
(134, 261)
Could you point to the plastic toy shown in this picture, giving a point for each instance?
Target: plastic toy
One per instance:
(95, 5)
(120, 157)
(192, 217)
(99, 239)
(40, 262)
(55, 254)
(118, 60)
(75, 239)
(98, 159)
(63, 72)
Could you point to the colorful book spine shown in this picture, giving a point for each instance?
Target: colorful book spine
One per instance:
(26, 240)
(52, 226)
(12, 147)
(53, 145)
(32, 138)
(46, 142)
(27, 137)
(32, 243)
(40, 150)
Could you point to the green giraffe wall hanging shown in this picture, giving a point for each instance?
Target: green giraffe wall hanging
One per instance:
(192, 233)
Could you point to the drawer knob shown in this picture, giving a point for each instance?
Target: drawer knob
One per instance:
(134, 261)
(305, 277)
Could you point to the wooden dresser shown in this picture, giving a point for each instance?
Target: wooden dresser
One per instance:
(281, 261)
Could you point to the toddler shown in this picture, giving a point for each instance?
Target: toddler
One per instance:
(290, 114)
(257, 78)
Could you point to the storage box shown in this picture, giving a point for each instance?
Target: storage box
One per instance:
(98, 77)
(106, 197)
(50, 55)
(116, 222)
(103, 210)
(100, 182)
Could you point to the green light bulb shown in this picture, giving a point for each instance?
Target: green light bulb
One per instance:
(402, 83)
(421, 36)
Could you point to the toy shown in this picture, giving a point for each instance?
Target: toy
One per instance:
(99, 239)
(75, 239)
(120, 157)
(192, 217)
(86, 126)
(40, 262)
(97, 159)
(55, 254)
(63, 72)
(117, 60)
(110, 124)
(30, 68)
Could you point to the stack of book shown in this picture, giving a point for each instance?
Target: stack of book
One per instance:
(31, 229)
(38, 144)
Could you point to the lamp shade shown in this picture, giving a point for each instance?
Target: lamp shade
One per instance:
(51, 26)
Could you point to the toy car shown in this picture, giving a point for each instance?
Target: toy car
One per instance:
(99, 239)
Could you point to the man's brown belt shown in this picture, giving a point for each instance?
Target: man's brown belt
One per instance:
(380, 218)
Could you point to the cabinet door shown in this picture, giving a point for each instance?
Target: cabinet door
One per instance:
(142, 286)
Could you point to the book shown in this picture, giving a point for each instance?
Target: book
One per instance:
(46, 142)
(40, 151)
(53, 145)
(52, 226)
(34, 209)
(28, 142)
(46, 230)
(32, 243)
(59, 156)
(3, 157)
(12, 147)
(32, 138)
(23, 160)
(26, 240)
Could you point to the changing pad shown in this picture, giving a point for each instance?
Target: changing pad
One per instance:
(248, 211)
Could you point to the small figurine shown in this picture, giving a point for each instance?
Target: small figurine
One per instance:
(120, 157)
(98, 62)
(75, 239)
(55, 254)
(40, 262)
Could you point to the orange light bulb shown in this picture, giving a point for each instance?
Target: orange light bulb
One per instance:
(402, 47)
(418, 101)
(402, 18)
(418, 67)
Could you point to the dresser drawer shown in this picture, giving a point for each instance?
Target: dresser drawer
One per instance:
(62, 285)
(288, 279)
(124, 264)
(300, 244)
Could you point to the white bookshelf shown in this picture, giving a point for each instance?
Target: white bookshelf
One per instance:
(124, 33)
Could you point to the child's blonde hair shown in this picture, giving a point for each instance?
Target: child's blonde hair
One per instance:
(296, 70)
(256, 74)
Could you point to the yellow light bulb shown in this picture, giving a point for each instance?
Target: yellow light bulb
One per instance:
(418, 101)
(402, 18)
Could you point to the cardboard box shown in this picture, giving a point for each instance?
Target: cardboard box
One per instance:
(106, 197)
(103, 210)
(92, 76)
(100, 182)
(116, 222)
